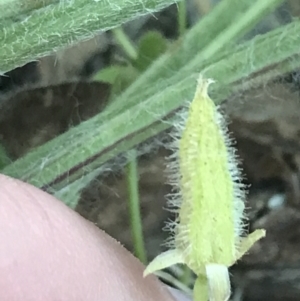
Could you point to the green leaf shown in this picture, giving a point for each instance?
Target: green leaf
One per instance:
(127, 75)
(218, 31)
(94, 142)
(119, 76)
(151, 46)
(148, 106)
(17, 10)
(109, 74)
(63, 23)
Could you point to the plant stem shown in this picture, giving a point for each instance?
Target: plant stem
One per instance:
(132, 167)
(182, 22)
(125, 43)
(186, 276)
(134, 207)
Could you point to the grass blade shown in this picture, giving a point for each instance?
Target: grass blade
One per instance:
(88, 146)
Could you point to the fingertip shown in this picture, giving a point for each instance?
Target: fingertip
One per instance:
(51, 253)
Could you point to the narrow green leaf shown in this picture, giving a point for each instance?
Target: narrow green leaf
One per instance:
(228, 21)
(87, 146)
(64, 23)
(145, 110)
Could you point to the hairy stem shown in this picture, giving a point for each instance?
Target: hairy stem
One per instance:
(182, 21)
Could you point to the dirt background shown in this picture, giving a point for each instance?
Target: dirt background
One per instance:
(264, 121)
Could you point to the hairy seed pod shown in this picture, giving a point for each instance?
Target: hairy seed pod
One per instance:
(207, 236)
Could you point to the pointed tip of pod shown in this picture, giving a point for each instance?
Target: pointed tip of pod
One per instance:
(202, 86)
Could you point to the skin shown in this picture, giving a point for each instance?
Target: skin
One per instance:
(48, 252)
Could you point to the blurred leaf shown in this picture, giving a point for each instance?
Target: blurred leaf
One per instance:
(127, 75)
(109, 74)
(119, 76)
(151, 46)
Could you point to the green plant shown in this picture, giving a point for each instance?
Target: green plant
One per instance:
(30, 29)
(206, 239)
(153, 98)
(148, 91)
